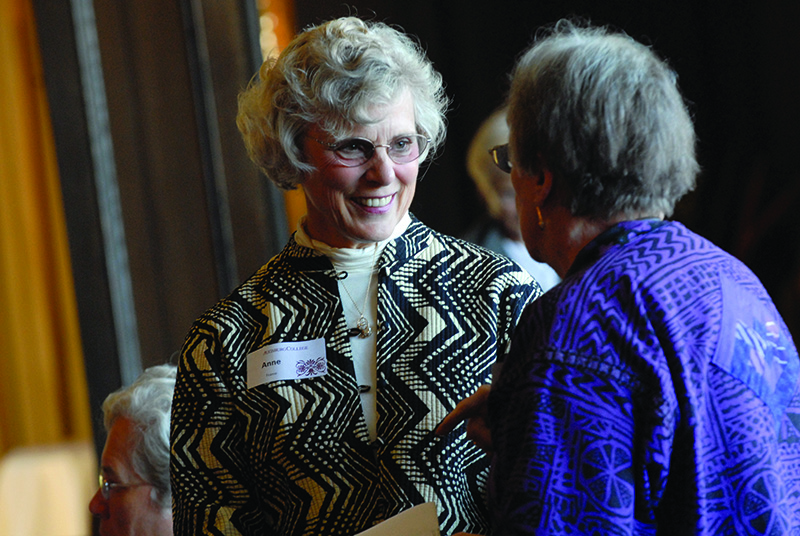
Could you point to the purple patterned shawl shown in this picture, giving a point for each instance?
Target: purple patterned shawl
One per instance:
(654, 391)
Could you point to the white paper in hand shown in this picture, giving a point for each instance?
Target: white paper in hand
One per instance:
(421, 520)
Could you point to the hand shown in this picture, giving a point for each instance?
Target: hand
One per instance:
(475, 411)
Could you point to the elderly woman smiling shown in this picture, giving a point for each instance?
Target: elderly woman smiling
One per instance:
(306, 400)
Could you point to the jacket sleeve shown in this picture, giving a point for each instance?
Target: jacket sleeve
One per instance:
(209, 476)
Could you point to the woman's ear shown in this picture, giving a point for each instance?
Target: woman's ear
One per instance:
(545, 183)
(537, 184)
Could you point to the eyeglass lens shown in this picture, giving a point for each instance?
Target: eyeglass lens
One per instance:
(402, 149)
(106, 486)
(500, 157)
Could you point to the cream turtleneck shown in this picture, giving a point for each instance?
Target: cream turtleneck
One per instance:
(356, 289)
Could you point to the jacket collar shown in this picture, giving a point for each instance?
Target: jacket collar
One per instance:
(408, 245)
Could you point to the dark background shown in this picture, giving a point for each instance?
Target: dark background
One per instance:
(737, 63)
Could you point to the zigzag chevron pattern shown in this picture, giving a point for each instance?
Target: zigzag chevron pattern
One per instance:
(645, 408)
(293, 457)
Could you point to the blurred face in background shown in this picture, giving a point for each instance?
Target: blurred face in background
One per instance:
(493, 184)
(128, 509)
(506, 196)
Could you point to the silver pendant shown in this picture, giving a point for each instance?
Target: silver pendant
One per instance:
(363, 327)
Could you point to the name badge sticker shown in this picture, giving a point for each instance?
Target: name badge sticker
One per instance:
(287, 361)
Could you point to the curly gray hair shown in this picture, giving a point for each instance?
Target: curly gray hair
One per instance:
(605, 115)
(332, 75)
(147, 403)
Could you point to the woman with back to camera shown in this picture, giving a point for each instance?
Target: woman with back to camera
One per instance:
(307, 399)
(656, 389)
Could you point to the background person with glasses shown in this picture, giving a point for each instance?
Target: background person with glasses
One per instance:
(306, 400)
(498, 229)
(134, 497)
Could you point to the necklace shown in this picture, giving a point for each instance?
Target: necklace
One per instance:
(362, 329)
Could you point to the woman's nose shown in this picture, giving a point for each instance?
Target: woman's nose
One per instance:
(381, 167)
(98, 505)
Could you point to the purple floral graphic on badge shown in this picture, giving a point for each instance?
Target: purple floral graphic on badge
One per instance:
(311, 367)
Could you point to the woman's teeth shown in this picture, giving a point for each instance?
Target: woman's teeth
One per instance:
(375, 201)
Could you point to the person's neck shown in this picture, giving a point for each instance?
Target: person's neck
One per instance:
(569, 238)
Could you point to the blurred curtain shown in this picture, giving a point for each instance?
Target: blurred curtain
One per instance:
(43, 391)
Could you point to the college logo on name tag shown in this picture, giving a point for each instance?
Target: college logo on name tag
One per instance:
(287, 361)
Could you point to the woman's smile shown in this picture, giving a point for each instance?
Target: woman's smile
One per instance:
(374, 202)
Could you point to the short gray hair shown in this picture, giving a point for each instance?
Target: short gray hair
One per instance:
(147, 403)
(604, 114)
(330, 75)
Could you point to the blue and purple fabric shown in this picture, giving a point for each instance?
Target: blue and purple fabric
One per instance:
(654, 391)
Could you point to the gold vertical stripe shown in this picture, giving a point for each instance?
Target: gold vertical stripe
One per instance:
(43, 391)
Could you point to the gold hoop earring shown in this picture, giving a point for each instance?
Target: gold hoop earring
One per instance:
(541, 219)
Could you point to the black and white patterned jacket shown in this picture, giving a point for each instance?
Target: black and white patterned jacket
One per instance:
(293, 457)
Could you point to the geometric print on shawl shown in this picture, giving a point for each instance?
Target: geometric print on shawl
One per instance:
(612, 414)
